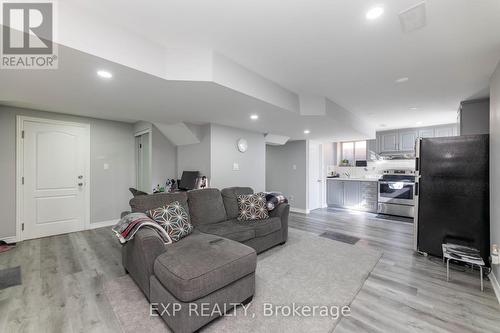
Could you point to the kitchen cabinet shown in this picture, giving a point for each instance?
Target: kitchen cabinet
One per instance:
(403, 140)
(407, 140)
(444, 131)
(335, 193)
(388, 141)
(426, 132)
(368, 192)
(352, 194)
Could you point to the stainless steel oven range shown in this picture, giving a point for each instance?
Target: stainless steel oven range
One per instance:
(396, 193)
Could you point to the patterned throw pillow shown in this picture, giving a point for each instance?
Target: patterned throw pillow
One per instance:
(174, 219)
(252, 207)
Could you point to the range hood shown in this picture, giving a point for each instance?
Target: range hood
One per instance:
(398, 156)
(391, 156)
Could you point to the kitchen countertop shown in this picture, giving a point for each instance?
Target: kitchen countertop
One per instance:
(354, 179)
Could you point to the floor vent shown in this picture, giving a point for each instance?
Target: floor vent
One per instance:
(10, 277)
(340, 237)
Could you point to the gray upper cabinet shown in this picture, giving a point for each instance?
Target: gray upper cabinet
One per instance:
(407, 139)
(388, 141)
(444, 131)
(403, 140)
(426, 132)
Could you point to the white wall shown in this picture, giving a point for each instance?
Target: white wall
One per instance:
(224, 153)
(286, 171)
(216, 153)
(111, 143)
(330, 153)
(195, 157)
(495, 162)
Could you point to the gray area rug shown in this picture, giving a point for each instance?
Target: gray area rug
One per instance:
(308, 270)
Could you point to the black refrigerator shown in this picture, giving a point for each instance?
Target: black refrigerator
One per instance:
(452, 193)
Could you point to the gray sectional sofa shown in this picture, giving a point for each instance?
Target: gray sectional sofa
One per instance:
(214, 265)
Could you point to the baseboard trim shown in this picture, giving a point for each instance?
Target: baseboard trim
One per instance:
(9, 240)
(103, 224)
(299, 210)
(496, 286)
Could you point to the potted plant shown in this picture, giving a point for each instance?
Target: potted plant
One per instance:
(344, 162)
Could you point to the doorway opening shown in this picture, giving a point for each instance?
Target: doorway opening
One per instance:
(143, 153)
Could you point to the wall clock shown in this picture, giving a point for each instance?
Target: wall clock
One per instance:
(242, 145)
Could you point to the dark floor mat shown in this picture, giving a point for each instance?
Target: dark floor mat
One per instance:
(10, 277)
(395, 218)
(340, 237)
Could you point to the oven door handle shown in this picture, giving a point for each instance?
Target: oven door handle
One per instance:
(394, 182)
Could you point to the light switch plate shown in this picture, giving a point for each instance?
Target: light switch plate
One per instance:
(294, 167)
(236, 167)
(106, 166)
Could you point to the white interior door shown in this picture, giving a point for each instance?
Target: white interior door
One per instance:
(54, 170)
(315, 175)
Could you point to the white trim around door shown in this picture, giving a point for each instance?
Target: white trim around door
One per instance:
(20, 168)
(143, 173)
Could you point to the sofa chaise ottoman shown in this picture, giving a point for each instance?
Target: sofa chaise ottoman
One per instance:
(213, 267)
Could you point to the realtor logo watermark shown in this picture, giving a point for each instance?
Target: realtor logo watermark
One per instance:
(27, 35)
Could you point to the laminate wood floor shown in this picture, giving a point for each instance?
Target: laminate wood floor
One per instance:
(62, 283)
(406, 292)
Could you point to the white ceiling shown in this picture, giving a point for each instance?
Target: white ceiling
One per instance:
(328, 48)
(315, 49)
(131, 95)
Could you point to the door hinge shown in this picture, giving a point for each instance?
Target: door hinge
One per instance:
(22, 134)
(22, 226)
(22, 180)
(140, 146)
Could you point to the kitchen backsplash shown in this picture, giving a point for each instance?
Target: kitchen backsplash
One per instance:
(373, 169)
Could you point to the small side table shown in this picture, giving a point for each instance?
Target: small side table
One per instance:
(474, 262)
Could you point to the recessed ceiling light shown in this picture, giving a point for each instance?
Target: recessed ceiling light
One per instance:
(254, 117)
(374, 13)
(413, 108)
(105, 74)
(382, 125)
(307, 131)
(402, 80)
(419, 123)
